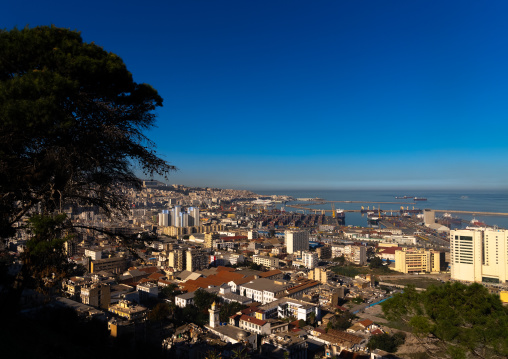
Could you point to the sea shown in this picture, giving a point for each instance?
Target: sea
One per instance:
(449, 200)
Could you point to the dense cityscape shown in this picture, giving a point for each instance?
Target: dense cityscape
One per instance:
(195, 271)
(253, 179)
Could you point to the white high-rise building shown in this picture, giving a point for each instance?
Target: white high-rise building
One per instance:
(184, 219)
(479, 255)
(193, 216)
(310, 259)
(175, 216)
(164, 218)
(296, 241)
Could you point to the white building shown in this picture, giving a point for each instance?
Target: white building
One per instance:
(164, 218)
(262, 290)
(184, 299)
(310, 259)
(296, 241)
(149, 289)
(479, 255)
(95, 254)
(356, 254)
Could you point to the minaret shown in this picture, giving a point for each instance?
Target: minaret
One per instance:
(214, 315)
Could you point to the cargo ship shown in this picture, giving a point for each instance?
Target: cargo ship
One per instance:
(405, 197)
(477, 223)
(372, 218)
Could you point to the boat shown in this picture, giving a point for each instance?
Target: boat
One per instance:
(419, 199)
(340, 214)
(477, 223)
(405, 197)
(373, 220)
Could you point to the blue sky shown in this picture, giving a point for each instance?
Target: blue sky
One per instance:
(322, 94)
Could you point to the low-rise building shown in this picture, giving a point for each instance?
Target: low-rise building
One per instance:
(266, 261)
(128, 310)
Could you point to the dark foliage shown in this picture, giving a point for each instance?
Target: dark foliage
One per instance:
(467, 320)
(387, 342)
(71, 124)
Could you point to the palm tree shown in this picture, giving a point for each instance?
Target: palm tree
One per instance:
(213, 354)
(240, 353)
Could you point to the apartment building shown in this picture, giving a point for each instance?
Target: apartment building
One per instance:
(413, 260)
(479, 255)
(266, 261)
(296, 241)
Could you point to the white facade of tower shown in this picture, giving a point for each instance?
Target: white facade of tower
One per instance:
(479, 255)
(175, 216)
(193, 216)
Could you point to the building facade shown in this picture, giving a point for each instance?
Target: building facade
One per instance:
(413, 260)
(296, 241)
(479, 255)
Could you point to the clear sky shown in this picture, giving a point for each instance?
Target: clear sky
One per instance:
(271, 94)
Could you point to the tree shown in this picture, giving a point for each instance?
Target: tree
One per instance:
(341, 260)
(376, 262)
(203, 299)
(465, 319)
(387, 342)
(341, 322)
(71, 125)
(228, 309)
(44, 258)
(160, 312)
(169, 292)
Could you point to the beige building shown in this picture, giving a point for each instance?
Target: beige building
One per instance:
(127, 310)
(176, 259)
(266, 261)
(479, 255)
(210, 238)
(356, 254)
(96, 294)
(180, 231)
(414, 260)
(319, 274)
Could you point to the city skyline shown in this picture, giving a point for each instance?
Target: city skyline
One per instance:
(296, 95)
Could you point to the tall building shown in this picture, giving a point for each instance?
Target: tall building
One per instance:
(310, 259)
(196, 260)
(479, 255)
(319, 274)
(193, 216)
(297, 241)
(175, 216)
(164, 218)
(96, 295)
(183, 220)
(356, 254)
(210, 238)
(177, 259)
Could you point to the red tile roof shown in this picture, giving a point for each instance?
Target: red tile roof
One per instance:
(366, 323)
(253, 320)
(270, 273)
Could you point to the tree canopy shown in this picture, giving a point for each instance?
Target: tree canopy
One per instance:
(467, 320)
(72, 124)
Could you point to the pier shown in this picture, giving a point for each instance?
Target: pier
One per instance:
(474, 213)
(305, 207)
